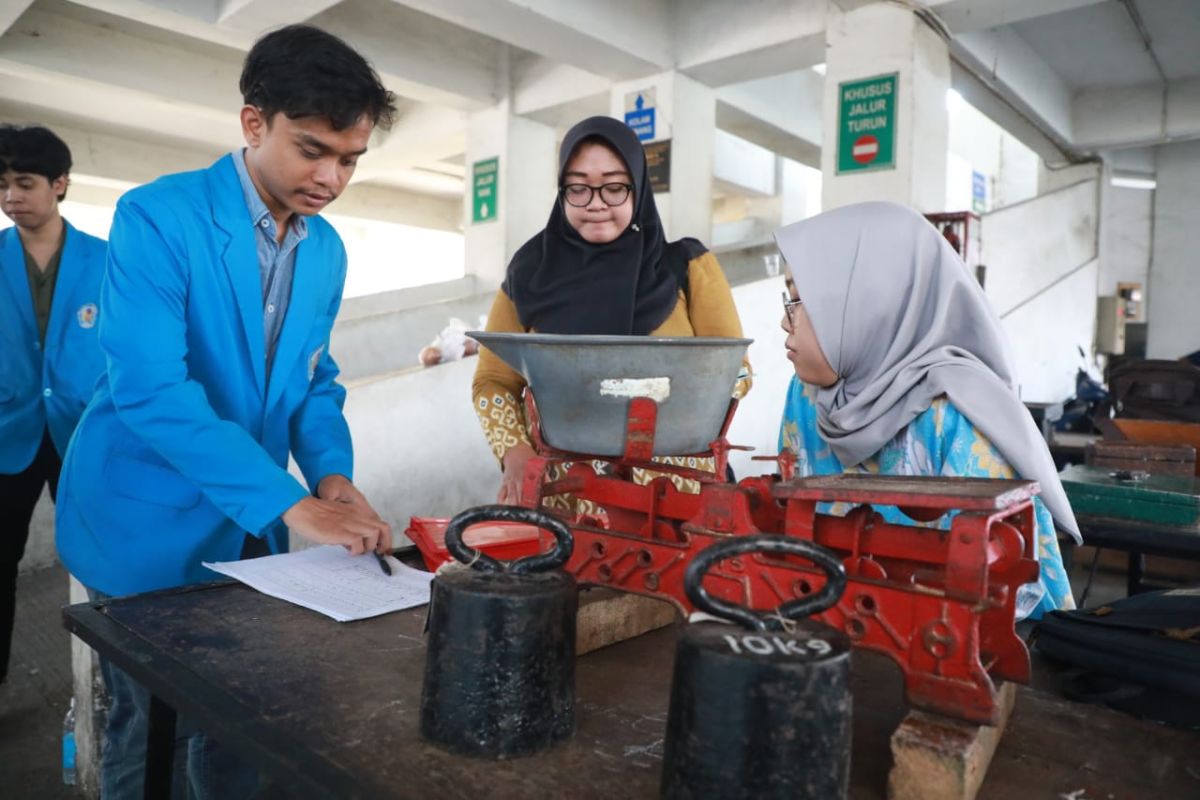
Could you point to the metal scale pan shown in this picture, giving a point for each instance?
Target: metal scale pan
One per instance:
(583, 385)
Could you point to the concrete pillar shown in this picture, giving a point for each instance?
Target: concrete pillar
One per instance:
(879, 40)
(522, 192)
(685, 112)
(799, 191)
(1174, 292)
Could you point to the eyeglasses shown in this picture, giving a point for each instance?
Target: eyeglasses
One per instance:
(580, 194)
(789, 304)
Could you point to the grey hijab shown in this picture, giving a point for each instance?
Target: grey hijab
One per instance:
(902, 322)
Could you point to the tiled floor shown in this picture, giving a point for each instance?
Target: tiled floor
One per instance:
(35, 697)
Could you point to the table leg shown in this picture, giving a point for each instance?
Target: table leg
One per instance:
(160, 750)
(1133, 578)
(1087, 589)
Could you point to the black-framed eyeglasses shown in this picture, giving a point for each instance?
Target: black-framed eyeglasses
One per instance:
(789, 304)
(580, 194)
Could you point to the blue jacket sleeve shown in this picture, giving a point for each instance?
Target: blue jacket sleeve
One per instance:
(319, 434)
(143, 333)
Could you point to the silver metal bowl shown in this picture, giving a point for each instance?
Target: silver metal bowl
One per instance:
(583, 386)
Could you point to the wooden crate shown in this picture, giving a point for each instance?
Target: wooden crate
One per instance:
(1157, 459)
(1156, 432)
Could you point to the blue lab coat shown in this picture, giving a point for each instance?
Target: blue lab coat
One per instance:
(183, 450)
(47, 384)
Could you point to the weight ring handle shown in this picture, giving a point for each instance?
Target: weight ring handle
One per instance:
(564, 542)
(829, 563)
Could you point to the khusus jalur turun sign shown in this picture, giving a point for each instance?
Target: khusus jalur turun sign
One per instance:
(867, 124)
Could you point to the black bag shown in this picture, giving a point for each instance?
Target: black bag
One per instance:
(1140, 655)
(1159, 390)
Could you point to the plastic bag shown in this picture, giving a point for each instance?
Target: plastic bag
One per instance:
(451, 344)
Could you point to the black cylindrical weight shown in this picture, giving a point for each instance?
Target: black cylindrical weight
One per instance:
(500, 659)
(761, 711)
(759, 714)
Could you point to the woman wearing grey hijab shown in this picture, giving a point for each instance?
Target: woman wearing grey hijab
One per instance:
(903, 368)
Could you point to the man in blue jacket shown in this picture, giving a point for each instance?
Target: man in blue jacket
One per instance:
(49, 357)
(221, 289)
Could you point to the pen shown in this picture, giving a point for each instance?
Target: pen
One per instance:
(383, 564)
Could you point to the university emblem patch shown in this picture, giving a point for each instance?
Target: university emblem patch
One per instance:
(87, 315)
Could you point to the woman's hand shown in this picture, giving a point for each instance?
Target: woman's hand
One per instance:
(514, 473)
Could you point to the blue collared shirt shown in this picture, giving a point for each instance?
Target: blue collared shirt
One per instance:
(276, 262)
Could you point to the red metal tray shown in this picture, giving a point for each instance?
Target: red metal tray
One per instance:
(501, 540)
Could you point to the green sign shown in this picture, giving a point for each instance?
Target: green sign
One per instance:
(867, 124)
(484, 197)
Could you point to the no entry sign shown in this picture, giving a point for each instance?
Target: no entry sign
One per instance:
(866, 149)
(867, 124)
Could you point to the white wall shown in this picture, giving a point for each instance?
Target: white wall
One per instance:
(1042, 268)
(743, 164)
(1174, 294)
(800, 191)
(757, 421)
(1125, 226)
(1018, 176)
(418, 447)
(977, 144)
(1049, 331)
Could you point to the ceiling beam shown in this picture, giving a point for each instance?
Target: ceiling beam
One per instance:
(539, 84)
(1133, 116)
(745, 125)
(113, 156)
(1009, 66)
(257, 16)
(422, 135)
(195, 19)
(388, 204)
(415, 57)
(618, 39)
(769, 37)
(993, 104)
(55, 61)
(964, 16)
(65, 45)
(10, 11)
(419, 56)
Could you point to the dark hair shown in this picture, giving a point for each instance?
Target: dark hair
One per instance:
(305, 72)
(35, 150)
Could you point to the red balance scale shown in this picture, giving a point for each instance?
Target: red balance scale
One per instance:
(940, 603)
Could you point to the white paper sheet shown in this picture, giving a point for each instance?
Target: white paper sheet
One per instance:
(330, 581)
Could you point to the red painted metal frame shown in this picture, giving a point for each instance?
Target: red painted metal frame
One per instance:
(941, 604)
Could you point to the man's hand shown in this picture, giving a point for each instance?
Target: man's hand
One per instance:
(339, 489)
(514, 474)
(339, 515)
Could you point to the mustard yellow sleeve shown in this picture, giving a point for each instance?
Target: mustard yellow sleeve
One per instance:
(712, 310)
(497, 387)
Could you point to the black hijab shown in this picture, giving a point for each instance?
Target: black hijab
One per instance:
(561, 283)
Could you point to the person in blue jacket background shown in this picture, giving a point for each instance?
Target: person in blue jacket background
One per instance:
(222, 286)
(49, 358)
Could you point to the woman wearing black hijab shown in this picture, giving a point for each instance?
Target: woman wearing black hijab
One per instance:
(600, 266)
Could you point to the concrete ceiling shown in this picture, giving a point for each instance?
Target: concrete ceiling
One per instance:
(1085, 77)
(161, 75)
(1100, 46)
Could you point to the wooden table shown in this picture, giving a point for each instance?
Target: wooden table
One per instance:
(1139, 539)
(329, 709)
